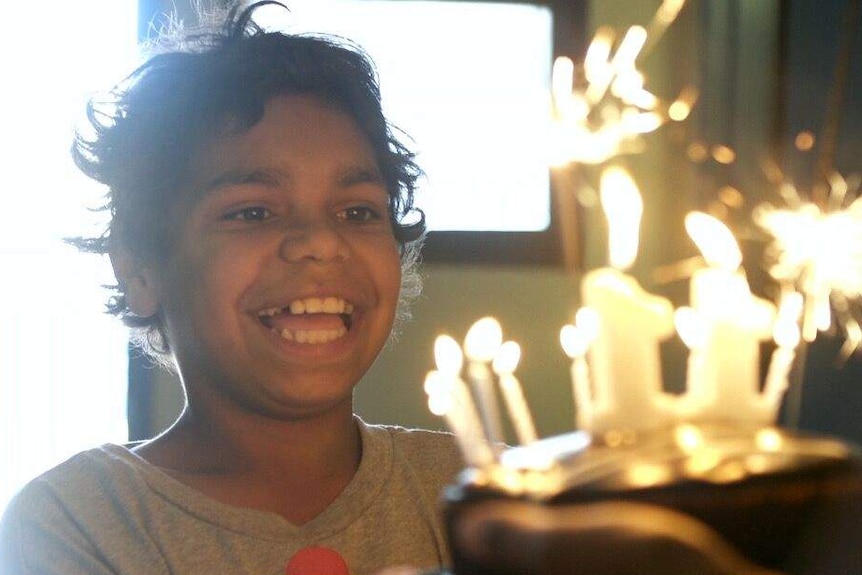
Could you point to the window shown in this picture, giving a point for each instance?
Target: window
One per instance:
(62, 363)
(469, 83)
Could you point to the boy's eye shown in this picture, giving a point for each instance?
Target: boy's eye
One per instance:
(359, 214)
(250, 214)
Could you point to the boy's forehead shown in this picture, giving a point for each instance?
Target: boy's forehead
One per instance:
(233, 151)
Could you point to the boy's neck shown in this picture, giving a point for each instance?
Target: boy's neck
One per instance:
(294, 468)
(250, 443)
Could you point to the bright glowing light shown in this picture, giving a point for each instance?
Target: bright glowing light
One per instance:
(483, 339)
(769, 440)
(691, 327)
(804, 141)
(634, 122)
(597, 59)
(507, 358)
(437, 382)
(588, 321)
(440, 403)
(714, 240)
(607, 116)
(786, 330)
(63, 362)
(723, 154)
(629, 48)
(448, 355)
(647, 474)
(679, 111)
(688, 437)
(573, 341)
(623, 206)
(818, 252)
(576, 339)
(562, 79)
(669, 10)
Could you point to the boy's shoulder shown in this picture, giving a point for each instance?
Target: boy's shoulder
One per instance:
(430, 453)
(78, 476)
(71, 491)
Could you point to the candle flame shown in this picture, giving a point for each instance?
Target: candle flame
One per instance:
(574, 343)
(623, 206)
(576, 339)
(507, 358)
(436, 383)
(483, 339)
(714, 240)
(440, 403)
(448, 355)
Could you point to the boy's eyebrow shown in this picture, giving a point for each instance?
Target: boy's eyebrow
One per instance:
(360, 174)
(347, 176)
(239, 177)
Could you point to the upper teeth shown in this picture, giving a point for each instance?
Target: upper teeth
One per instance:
(312, 305)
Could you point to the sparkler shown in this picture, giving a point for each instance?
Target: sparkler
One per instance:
(606, 115)
(817, 251)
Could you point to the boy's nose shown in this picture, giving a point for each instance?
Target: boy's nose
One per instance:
(312, 239)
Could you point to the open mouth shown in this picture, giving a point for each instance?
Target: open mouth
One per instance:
(310, 320)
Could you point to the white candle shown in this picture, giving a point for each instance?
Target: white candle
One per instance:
(504, 365)
(444, 401)
(452, 398)
(625, 356)
(480, 345)
(737, 321)
(576, 340)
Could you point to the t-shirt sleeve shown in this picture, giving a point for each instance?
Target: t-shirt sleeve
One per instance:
(38, 537)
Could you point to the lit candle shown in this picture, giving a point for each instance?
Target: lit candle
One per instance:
(504, 365)
(442, 401)
(576, 340)
(625, 356)
(449, 396)
(480, 346)
(736, 323)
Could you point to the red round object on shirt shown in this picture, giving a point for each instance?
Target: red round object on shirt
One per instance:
(316, 561)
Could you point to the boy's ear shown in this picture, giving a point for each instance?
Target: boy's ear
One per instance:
(136, 281)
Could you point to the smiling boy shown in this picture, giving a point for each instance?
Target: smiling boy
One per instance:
(260, 219)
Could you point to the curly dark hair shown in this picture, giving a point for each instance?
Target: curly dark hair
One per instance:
(203, 84)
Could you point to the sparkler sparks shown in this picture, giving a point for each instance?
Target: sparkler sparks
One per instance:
(607, 114)
(817, 250)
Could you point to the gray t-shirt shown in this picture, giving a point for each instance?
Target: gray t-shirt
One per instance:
(106, 510)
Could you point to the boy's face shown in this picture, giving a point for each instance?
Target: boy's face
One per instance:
(282, 286)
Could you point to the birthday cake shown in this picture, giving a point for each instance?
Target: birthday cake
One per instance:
(710, 453)
(785, 501)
